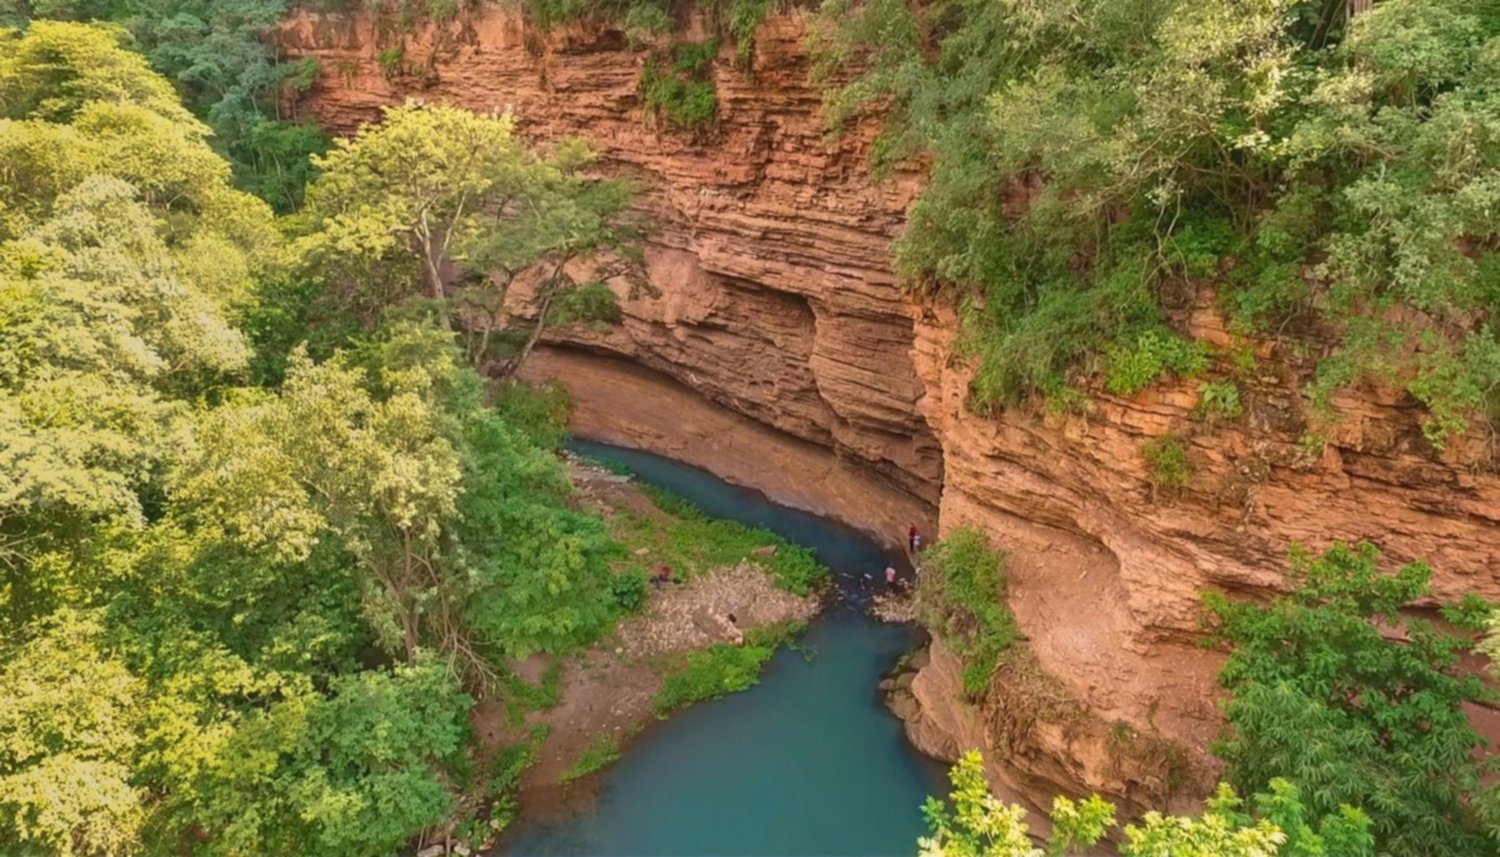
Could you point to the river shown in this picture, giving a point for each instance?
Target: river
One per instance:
(808, 762)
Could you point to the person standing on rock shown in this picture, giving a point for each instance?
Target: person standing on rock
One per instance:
(914, 539)
(890, 576)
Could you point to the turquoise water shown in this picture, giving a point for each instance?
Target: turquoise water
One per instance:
(806, 763)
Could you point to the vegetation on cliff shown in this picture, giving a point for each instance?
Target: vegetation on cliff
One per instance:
(961, 596)
(1094, 164)
(977, 824)
(258, 554)
(1346, 717)
(1336, 689)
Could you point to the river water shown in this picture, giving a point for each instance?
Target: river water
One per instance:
(808, 762)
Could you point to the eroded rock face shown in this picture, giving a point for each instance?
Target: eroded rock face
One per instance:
(1106, 573)
(771, 243)
(778, 304)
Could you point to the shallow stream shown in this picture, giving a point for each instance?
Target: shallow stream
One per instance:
(808, 762)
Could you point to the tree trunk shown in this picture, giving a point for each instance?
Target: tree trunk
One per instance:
(431, 259)
(514, 364)
(484, 343)
(1358, 7)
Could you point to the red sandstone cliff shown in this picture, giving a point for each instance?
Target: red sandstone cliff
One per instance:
(777, 296)
(778, 304)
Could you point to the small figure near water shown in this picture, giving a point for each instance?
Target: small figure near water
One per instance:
(735, 634)
(914, 539)
(890, 576)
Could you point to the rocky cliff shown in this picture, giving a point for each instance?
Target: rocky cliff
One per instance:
(779, 307)
(770, 248)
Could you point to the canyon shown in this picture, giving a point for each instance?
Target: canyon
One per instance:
(781, 352)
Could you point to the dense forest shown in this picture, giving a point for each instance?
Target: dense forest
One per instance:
(273, 516)
(263, 536)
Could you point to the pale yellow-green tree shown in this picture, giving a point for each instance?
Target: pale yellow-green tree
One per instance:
(326, 458)
(70, 722)
(1490, 646)
(443, 196)
(403, 191)
(978, 824)
(75, 103)
(124, 256)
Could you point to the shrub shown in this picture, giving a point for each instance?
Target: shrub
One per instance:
(1320, 695)
(721, 669)
(392, 62)
(961, 595)
(646, 18)
(628, 589)
(744, 18)
(1133, 366)
(682, 91)
(1279, 823)
(539, 412)
(1218, 399)
(1166, 460)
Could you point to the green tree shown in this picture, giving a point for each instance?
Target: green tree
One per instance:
(978, 824)
(402, 192)
(355, 773)
(70, 722)
(433, 187)
(221, 56)
(197, 578)
(1322, 696)
(376, 469)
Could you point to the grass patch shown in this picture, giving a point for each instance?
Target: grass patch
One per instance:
(602, 750)
(721, 669)
(961, 596)
(693, 543)
(521, 696)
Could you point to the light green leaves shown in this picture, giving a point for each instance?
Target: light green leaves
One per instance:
(981, 825)
(70, 720)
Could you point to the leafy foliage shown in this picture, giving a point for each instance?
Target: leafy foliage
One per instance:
(1218, 400)
(980, 825)
(721, 669)
(219, 56)
(244, 618)
(1167, 461)
(680, 89)
(431, 186)
(1321, 696)
(1138, 365)
(1094, 163)
(70, 723)
(961, 595)
(693, 542)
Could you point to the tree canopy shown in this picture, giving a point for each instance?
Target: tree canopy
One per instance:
(256, 563)
(975, 823)
(1322, 694)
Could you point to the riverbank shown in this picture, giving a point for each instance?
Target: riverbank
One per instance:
(778, 768)
(603, 697)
